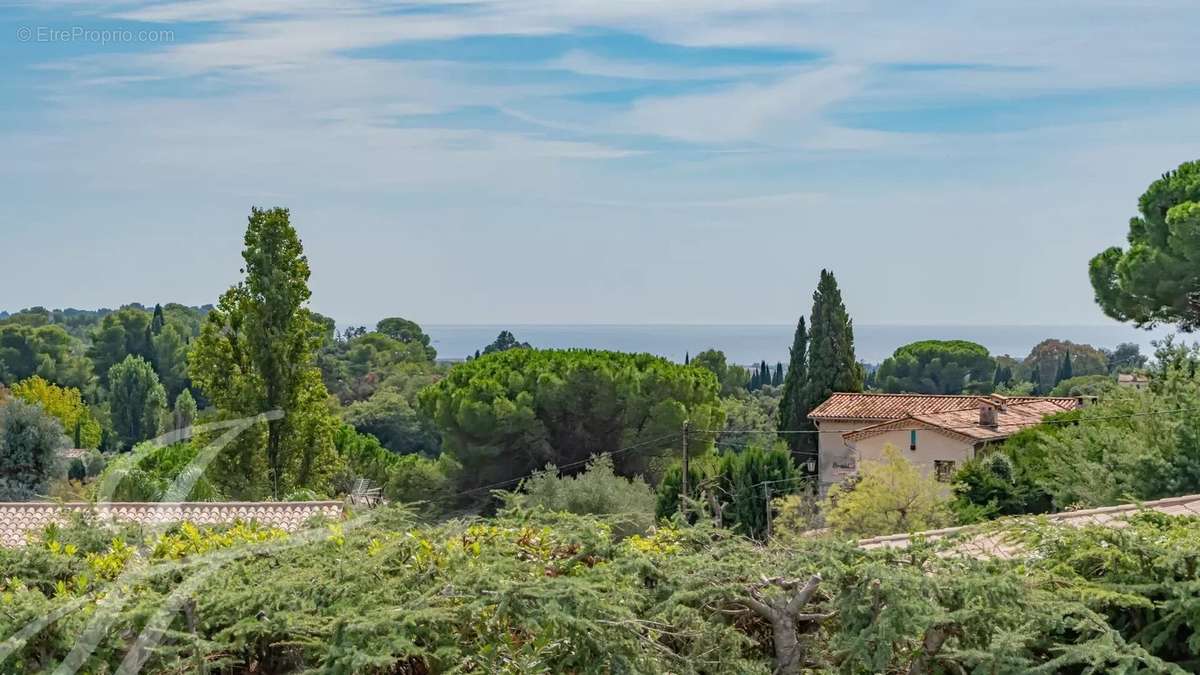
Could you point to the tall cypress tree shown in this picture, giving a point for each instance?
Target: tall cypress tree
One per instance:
(777, 378)
(1065, 371)
(792, 414)
(158, 320)
(764, 374)
(831, 364)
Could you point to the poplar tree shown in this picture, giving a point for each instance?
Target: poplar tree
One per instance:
(257, 351)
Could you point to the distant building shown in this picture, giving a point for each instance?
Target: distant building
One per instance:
(1133, 380)
(936, 432)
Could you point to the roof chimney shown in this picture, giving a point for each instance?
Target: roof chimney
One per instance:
(987, 414)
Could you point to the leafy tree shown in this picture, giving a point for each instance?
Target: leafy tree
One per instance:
(256, 353)
(1084, 385)
(509, 413)
(732, 378)
(404, 478)
(64, 404)
(1153, 280)
(890, 495)
(504, 342)
(748, 417)
(44, 350)
(1127, 356)
(125, 332)
(1045, 360)
(29, 442)
(596, 491)
(137, 401)
(408, 332)
(938, 367)
(793, 415)
(184, 414)
(391, 417)
(170, 347)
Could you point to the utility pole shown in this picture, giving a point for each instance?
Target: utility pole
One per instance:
(683, 496)
(767, 499)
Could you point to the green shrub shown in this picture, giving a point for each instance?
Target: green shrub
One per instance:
(739, 483)
(596, 491)
(29, 444)
(76, 471)
(551, 592)
(149, 472)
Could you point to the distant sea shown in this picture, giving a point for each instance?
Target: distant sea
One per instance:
(746, 344)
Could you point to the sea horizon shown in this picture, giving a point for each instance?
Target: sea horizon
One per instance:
(751, 343)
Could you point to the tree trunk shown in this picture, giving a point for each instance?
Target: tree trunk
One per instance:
(789, 657)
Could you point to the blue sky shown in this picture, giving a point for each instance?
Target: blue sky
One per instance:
(580, 161)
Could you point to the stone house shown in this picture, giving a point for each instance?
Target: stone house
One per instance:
(937, 432)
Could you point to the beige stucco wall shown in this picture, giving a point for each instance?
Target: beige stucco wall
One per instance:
(836, 459)
(931, 446)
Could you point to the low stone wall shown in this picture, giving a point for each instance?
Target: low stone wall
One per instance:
(18, 519)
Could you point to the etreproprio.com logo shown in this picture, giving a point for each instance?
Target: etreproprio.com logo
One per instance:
(100, 36)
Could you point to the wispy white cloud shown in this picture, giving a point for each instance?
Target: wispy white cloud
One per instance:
(327, 105)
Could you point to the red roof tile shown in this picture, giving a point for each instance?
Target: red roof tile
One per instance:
(1013, 416)
(851, 406)
(17, 519)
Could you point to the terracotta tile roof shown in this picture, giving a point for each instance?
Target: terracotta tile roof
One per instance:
(996, 545)
(1012, 415)
(17, 519)
(851, 406)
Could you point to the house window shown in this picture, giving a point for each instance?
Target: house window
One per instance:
(943, 469)
(912, 440)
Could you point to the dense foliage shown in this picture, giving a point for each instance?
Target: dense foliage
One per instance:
(887, 496)
(508, 413)
(138, 402)
(733, 378)
(256, 354)
(66, 405)
(938, 367)
(1153, 280)
(29, 442)
(822, 362)
(596, 491)
(550, 593)
(736, 487)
